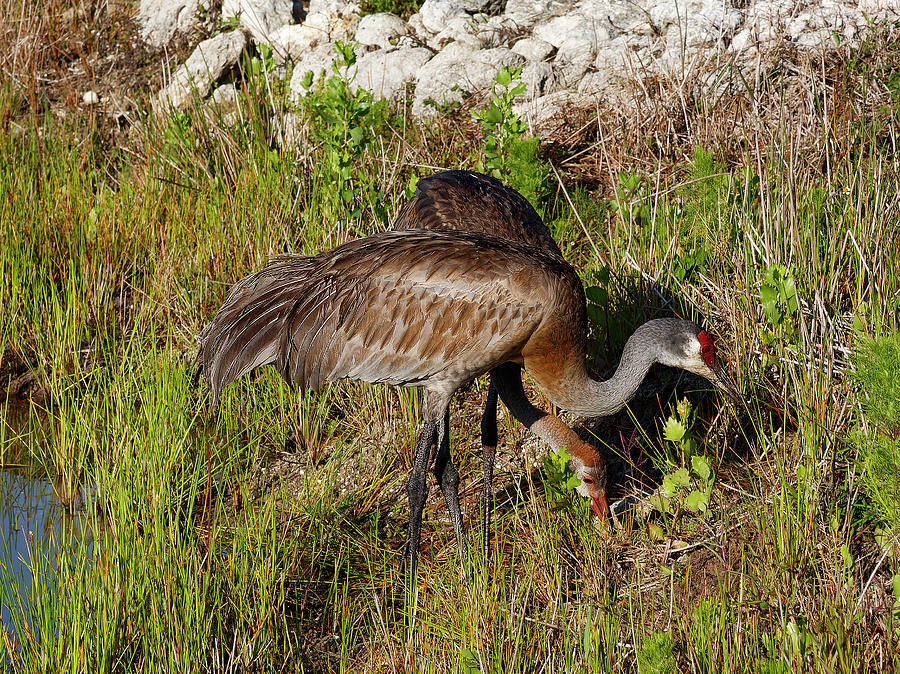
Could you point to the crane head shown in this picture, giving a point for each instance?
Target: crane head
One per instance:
(591, 470)
(693, 349)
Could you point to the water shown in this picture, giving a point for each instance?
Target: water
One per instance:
(33, 524)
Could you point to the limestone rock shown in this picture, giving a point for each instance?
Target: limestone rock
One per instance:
(160, 20)
(533, 48)
(260, 17)
(203, 68)
(546, 113)
(458, 72)
(293, 42)
(340, 25)
(495, 32)
(386, 73)
(538, 79)
(436, 13)
(458, 29)
(380, 29)
(575, 35)
(526, 13)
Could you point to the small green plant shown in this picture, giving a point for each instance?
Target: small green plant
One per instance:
(345, 119)
(263, 62)
(657, 655)
(559, 478)
(778, 295)
(402, 8)
(506, 153)
(631, 202)
(688, 263)
(682, 488)
(877, 364)
(501, 125)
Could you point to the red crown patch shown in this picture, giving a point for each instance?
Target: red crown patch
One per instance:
(707, 348)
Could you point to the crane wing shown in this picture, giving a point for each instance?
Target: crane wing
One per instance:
(473, 202)
(399, 307)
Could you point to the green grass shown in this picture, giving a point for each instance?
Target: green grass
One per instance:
(233, 540)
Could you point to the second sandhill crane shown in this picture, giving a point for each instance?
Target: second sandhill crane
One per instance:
(435, 310)
(473, 202)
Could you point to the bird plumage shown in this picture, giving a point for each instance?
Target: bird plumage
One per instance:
(437, 308)
(402, 308)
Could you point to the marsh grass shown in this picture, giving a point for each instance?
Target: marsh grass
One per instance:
(266, 534)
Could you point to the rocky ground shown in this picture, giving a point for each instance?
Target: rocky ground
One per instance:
(572, 54)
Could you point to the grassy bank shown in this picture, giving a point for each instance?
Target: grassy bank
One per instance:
(266, 535)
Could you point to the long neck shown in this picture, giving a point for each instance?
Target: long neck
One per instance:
(582, 395)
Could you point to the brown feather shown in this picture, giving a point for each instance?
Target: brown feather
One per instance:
(465, 201)
(460, 304)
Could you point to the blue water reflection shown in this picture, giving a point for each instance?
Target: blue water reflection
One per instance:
(33, 524)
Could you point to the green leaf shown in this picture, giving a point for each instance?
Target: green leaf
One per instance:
(597, 295)
(504, 77)
(674, 430)
(696, 502)
(468, 662)
(674, 482)
(700, 466)
(492, 115)
(655, 531)
(660, 502)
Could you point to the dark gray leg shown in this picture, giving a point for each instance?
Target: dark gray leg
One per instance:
(417, 489)
(448, 478)
(488, 451)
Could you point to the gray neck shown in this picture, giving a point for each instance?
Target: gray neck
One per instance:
(591, 398)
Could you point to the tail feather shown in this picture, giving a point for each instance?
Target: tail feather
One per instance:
(247, 330)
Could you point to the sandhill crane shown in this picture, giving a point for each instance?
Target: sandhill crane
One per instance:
(467, 201)
(474, 202)
(435, 310)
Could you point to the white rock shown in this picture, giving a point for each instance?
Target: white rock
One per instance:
(160, 20)
(526, 13)
(697, 22)
(482, 6)
(90, 98)
(875, 7)
(567, 74)
(458, 72)
(575, 35)
(329, 6)
(386, 73)
(538, 79)
(293, 42)
(224, 95)
(338, 25)
(436, 13)
(619, 16)
(380, 29)
(496, 31)
(206, 64)
(417, 28)
(260, 17)
(533, 48)
(547, 113)
(458, 29)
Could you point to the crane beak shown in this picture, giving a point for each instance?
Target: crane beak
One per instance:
(600, 507)
(722, 381)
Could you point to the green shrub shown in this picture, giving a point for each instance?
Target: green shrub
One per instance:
(656, 657)
(877, 364)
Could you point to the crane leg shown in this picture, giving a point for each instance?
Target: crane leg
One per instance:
(448, 478)
(488, 451)
(417, 489)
